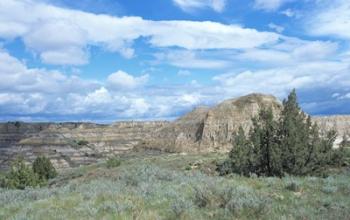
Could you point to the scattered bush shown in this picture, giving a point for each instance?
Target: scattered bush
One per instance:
(153, 197)
(44, 168)
(17, 124)
(179, 207)
(329, 189)
(237, 199)
(224, 168)
(341, 155)
(201, 197)
(234, 200)
(20, 176)
(231, 207)
(108, 207)
(113, 162)
(2, 180)
(250, 200)
(293, 186)
(82, 142)
(188, 167)
(130, 180)
(225, 196)
(330, 185)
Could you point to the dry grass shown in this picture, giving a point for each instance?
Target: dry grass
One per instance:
(160, 187)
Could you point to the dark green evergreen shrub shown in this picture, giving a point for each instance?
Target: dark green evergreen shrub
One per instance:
(17, 124)
(113, 162)
(224, 168)
(82, 142)
(341, 154)
(291, 144)
(188, 167)
(43, 167)
(293, 186)
(2, 179)
(20, 176)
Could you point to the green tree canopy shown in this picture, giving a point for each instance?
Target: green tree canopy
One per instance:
(291, 144)
(20, 176)
(44, 168)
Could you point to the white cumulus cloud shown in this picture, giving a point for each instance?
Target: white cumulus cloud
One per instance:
(270, 5)
(189, 5)
(63, 36)
(183, 73)
(330, 19)
(123, 80)
(279, 81)
(276, 27)
(190, 59)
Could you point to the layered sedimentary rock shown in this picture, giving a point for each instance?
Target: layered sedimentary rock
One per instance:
(339, 123)
(211, 129)
(202, 130)
(70, 144)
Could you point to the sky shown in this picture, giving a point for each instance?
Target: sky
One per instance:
(112, 60)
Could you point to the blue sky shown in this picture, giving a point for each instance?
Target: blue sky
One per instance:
(108, 60)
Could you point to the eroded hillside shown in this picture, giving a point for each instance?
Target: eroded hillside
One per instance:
(211, 129)
(202, 130)
(71, 144)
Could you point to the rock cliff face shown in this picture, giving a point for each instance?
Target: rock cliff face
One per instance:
(211, 129)
(340, 123)
(70, 144)
(202, 130)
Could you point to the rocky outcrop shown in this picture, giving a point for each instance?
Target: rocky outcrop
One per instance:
(70, 144)
(202, 130)
(339, 123)
(223, 121)
(211, 129)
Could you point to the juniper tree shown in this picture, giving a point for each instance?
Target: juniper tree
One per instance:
(241, 156)
(294, 132)
(292, 144)
(265, 144)
(304, 149)
(44, 168)
(326, 151)
(259, 153)
(338, 158)
(20, 176)
(311, 158)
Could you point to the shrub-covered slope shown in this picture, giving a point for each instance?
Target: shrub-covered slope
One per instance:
(177, 187)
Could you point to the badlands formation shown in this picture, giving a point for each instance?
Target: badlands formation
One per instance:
(202, 130)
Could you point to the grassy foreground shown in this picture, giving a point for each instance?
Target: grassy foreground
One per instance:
(177, 187)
